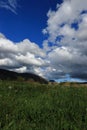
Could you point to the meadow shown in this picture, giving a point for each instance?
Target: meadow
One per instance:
(32, 106)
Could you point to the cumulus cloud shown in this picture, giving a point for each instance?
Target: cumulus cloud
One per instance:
(24, 56)
(67, 33)
(9, 5)
(64, 51)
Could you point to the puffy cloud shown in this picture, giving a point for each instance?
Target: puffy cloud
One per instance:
(27, 45)
(68, 61)
(21, 69)
(64, 51)
(67, 13)
(67, 31)
(29, 59)
(24, 56)
(82, 31)
(9, 5)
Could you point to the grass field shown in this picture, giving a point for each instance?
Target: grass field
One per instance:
(25, 106)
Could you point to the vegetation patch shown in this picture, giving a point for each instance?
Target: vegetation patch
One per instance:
(32, 106)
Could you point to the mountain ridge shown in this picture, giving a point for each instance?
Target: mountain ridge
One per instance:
(11, 75)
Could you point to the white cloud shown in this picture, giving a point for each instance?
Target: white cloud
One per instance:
(67, 13)
(21, 69)
(82, 31)
(9, 5)
(29, 59)
(64, 51)
(13, 3)
(7, 46)
(24, 56)
(67, 31)
(27, 45)
(1, 35)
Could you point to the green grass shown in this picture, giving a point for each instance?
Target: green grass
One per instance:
(25, 106)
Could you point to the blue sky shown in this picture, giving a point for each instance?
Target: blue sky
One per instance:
(48, 38)
(28, 21)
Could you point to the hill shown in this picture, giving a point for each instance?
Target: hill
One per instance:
(10, 75)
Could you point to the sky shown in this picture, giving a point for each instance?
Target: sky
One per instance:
(48, 38)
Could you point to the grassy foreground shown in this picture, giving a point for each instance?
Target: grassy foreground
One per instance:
(25, 106)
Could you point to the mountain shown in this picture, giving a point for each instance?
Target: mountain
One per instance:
(11, 75)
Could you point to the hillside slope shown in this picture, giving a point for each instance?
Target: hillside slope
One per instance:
(10, 75)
